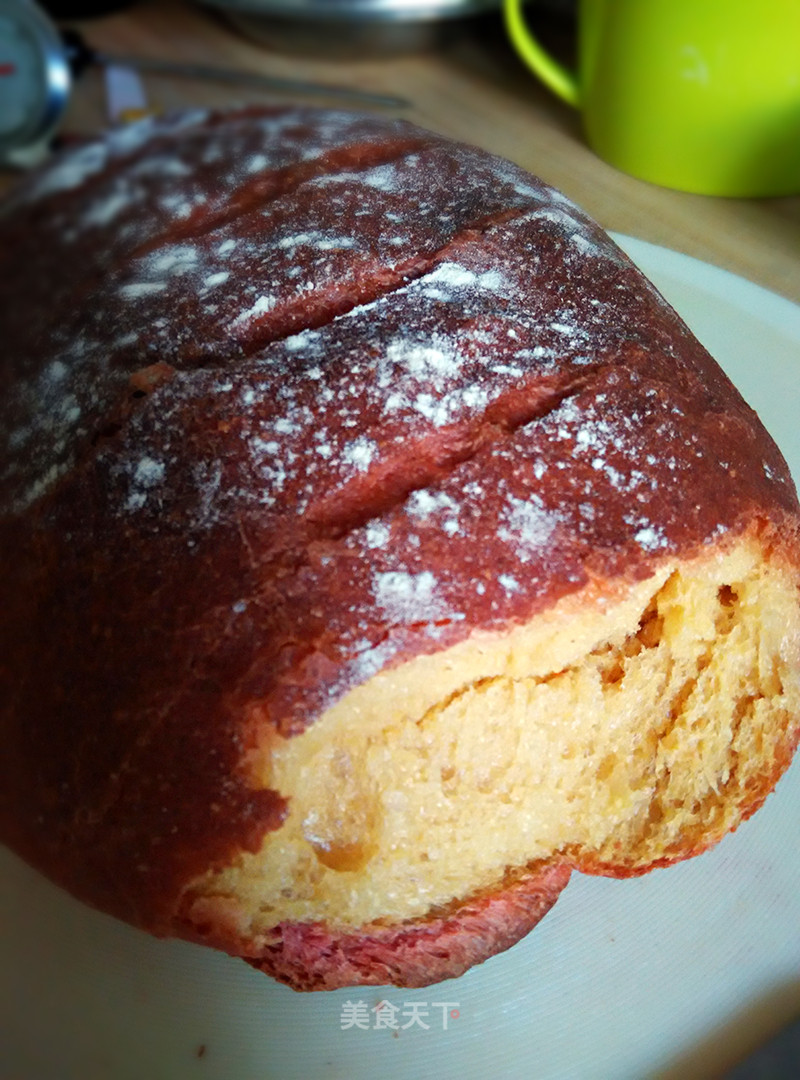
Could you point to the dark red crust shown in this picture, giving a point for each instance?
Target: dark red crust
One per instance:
(215, 528)
(311, 957)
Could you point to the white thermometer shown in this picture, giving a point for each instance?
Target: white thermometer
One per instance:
(35, 80)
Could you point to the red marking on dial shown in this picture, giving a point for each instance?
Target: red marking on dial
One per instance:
(7, 67)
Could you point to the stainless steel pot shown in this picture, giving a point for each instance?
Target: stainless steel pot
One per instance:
(349, 27)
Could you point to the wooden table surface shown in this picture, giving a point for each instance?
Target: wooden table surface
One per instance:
(471, 87)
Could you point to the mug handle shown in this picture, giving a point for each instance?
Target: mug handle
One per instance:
(554, 75)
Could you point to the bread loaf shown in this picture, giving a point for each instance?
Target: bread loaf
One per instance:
(379, 547)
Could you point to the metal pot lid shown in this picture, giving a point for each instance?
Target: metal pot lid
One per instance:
(357, 11)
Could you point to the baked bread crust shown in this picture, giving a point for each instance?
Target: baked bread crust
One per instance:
(309, 956)
(283, 387)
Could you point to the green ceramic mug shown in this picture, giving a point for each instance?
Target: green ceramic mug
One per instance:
(699, 95)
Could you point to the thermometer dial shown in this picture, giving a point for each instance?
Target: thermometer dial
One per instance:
(34, 79)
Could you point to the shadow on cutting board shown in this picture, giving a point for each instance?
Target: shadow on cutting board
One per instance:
(771, 1022)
